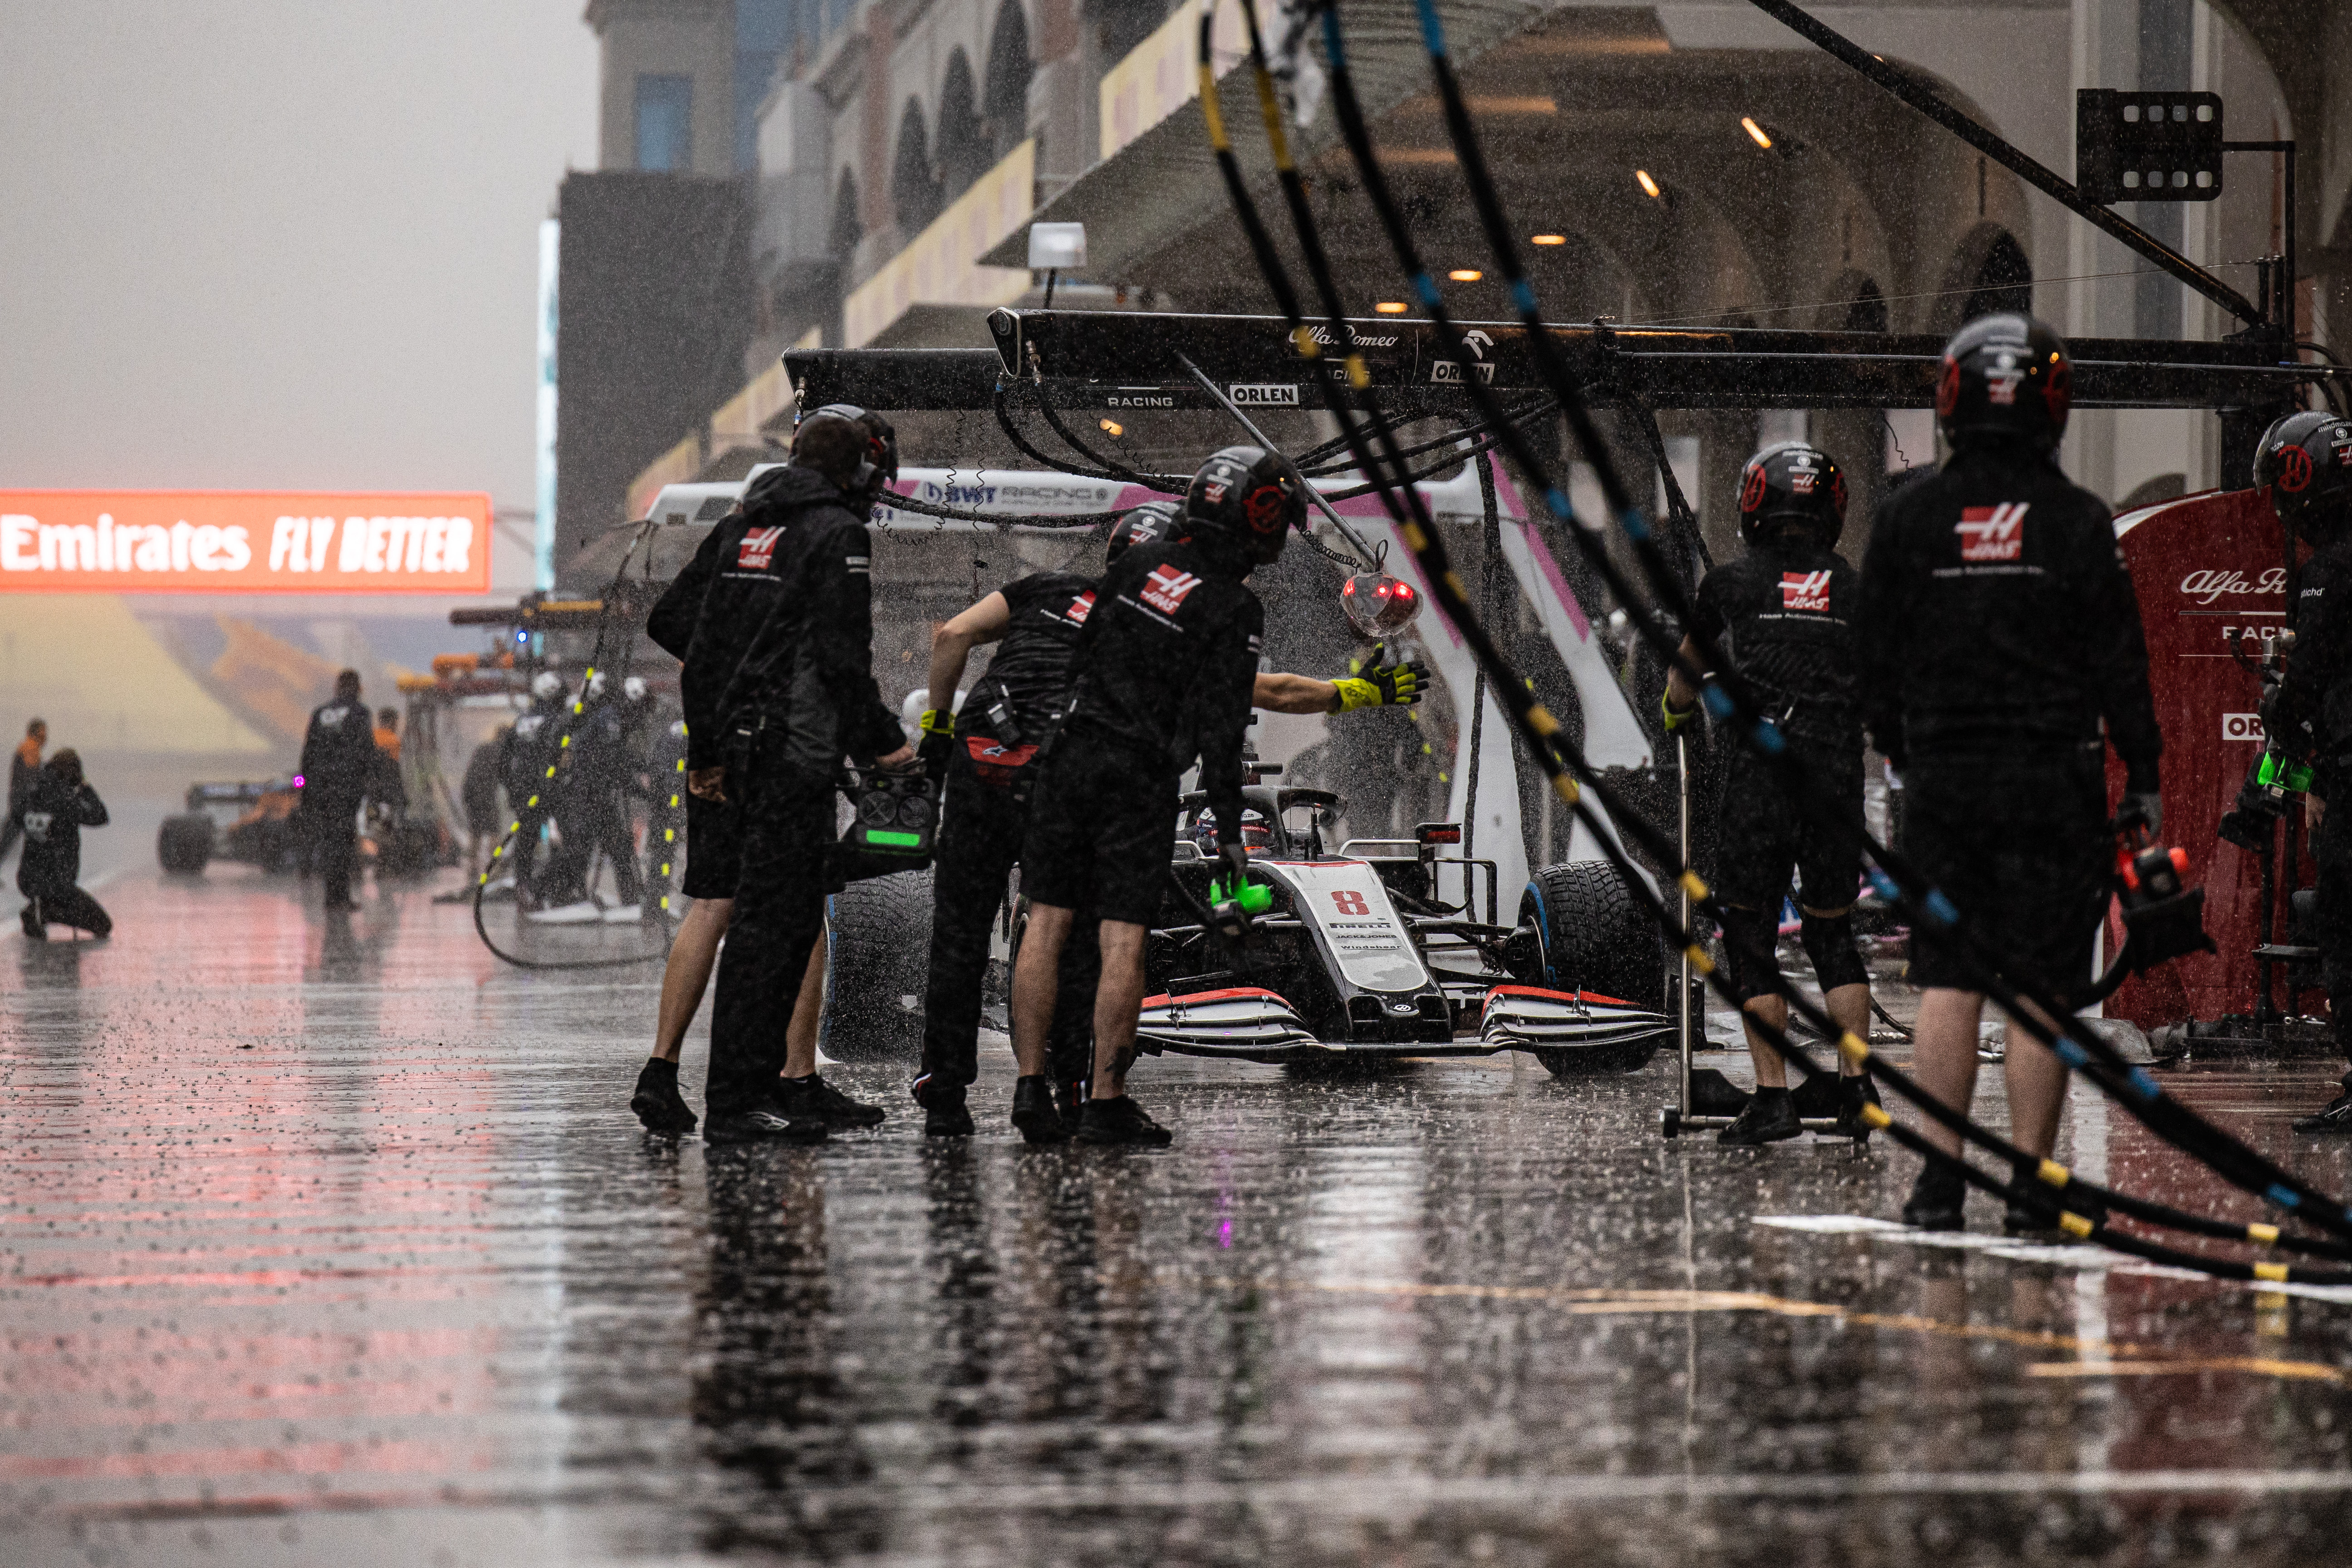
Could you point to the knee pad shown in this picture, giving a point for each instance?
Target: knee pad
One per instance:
(1751, 941)
(1828, 942)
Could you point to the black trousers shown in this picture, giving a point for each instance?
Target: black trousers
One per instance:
(334, 842)
(2331, 926)
(69, 907)
(788, 823)
(981, 829)
(589, 822)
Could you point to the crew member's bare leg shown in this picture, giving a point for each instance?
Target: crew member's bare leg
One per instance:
(1118, 1003)
(808, 1013)
(1035, 977)
(688, 974)
(2037, 1086)
(1944, 1055)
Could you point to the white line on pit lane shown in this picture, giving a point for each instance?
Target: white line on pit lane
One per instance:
(2089, 1259)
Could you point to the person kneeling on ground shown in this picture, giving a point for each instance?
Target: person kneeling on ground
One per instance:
(1167, 661)
(1782, 614)
(58, 806)
(988, 754)
(1998, 634)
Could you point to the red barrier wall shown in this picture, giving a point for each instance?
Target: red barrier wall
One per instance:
(2201, 566)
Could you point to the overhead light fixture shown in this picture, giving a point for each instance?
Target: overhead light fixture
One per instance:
(1547, 239)
(1756, 133)
(1391, 307)
(1649, 186)
(1112, 427)
(1465, 275)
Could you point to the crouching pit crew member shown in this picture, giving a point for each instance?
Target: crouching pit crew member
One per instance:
(2305, 461)
(1166, 661)
(59, 804)
(990, 753)
(801, 698)
(1783, 615)
(1999, 632)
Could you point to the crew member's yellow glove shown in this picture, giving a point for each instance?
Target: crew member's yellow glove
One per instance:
(939, 721)
(1676, 717)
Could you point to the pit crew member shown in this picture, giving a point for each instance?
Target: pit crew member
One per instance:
(1998, 634)
(340, 767)
(2305, 461)
(58, 806)
(802, 698)
(23, 767)
(1783, 614)
(1166, 661)
(989, 753)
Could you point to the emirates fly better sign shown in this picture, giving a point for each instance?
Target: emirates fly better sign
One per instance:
(243, 542)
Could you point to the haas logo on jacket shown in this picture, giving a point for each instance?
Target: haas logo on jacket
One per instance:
(1165, 589)
(1080, 608)
(758, 547)
(37, 825)
(1992, 532)
(1805, 591)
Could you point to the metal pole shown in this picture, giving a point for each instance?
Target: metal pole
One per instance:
(1919, 97)
(1682, 786)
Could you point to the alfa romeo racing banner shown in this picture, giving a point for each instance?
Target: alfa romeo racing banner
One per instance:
(243, 542)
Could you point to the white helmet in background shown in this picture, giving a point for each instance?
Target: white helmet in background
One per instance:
(546, 684)
(634, 688)
(595, 691)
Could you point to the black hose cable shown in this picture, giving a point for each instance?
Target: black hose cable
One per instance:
(1166, 484)
(1430, 549)
(1360, 149)
(1020, 443)
(596, 661)
(2080, 1049)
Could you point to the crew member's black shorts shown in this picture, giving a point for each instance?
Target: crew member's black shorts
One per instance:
(1102, 832)
(2020, 847)
(714, 848)
(1765, 829)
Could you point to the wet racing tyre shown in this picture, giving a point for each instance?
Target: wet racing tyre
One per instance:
(1594, 935)
(880, 929)
(184, 843)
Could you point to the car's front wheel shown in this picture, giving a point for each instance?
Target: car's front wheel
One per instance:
(1593, 934)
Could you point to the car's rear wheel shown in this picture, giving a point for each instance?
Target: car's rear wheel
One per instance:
(881, 934)
(1594, 935)
(184, 843)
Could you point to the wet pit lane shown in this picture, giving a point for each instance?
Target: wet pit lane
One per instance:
(335, 1242)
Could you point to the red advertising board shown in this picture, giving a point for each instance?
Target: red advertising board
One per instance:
(243, 542)
(2204, 567)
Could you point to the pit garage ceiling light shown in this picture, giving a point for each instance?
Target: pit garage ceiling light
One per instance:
(1391, 307)
(1547, 239)
(1465, 275)
(1756, 133)
(1649, 186)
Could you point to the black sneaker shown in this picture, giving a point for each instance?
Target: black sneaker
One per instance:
(658, 1103)
(944, 1112)
(1936, 1199)
(1853, 1093)
(31, 920)
(2040, 1222)
(1769, 1117)
(1122, 1121)
(2336, 1118)
(761, 1124)
(1033, 1112)
(813, 1099)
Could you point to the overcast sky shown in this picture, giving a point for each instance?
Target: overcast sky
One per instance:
(280, 244)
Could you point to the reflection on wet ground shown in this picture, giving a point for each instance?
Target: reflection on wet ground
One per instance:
(335, 1242)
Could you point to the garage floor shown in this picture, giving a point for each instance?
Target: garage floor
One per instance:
(335, 1244)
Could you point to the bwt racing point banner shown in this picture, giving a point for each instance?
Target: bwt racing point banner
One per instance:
(240, 541)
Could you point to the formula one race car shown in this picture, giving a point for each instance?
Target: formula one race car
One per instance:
(250, 821)
(1357, 956)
